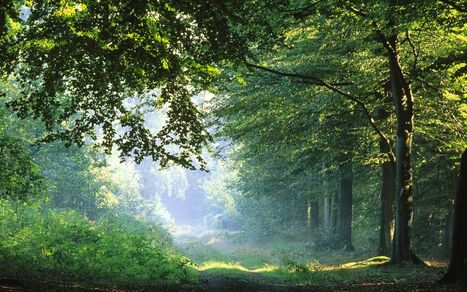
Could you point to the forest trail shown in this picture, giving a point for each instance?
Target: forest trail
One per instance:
(245, 282)
(224, 264)
(208, 282)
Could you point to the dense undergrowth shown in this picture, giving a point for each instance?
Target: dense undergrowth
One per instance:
(41, 243)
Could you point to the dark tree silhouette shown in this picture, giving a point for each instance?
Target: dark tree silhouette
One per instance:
(457, 270)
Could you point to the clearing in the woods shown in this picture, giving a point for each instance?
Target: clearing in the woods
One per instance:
(223, 262)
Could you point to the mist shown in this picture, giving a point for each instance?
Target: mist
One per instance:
(233, 145)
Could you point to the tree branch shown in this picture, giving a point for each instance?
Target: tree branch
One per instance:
(319, 82)
(359, 12)
(414, 52)
(295, 75)
(380, 35)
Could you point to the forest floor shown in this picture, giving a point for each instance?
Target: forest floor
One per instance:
(225, 262)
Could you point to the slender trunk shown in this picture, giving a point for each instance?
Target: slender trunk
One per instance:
(448, 233)
(457, 270)
(326, 205)
(387, 203)
(314, 206)
(346, 200)
(327, 214)
(335, 212)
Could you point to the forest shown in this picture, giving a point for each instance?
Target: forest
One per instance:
(209, 145)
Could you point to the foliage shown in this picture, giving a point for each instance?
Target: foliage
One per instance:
(38, 242)
(161, 52)
(285, 261)
(20, 176)
(314, 100)
(324, 92)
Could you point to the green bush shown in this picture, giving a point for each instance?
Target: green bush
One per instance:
(19, 174)
(64, 245)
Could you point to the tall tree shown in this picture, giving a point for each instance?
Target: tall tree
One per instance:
(78, 62)
(346, 202)
(457, 270)
(391, 25)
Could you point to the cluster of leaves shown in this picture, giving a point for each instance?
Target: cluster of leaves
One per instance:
(293, 266)
(20, 176)
(77, 63)
(37, 242)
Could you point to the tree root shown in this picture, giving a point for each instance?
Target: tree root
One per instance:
(414, 259)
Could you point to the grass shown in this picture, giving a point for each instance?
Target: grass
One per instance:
(365, 271)
(370, 270)
(290, 262)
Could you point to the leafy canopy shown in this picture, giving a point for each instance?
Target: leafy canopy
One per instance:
(78, 62)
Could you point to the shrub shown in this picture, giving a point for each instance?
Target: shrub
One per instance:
(37, 242)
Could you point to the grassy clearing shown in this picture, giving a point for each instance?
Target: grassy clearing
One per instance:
(291, 263)
(369, 271)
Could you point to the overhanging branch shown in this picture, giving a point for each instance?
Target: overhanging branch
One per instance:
(295, 75)
(333, 87)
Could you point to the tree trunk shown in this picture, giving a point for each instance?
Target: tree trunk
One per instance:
(327, 214)
(314, 207)
(457, 270)
(403, 100)
(448, 233)
(387, 203)
(346, 201)
(326, 205)
(335, 212)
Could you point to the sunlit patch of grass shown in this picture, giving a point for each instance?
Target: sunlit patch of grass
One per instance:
(366, 272)
(266, 273)
(371, 270)
(220, 250)
(292, 262)
(211, 265)
(368, 262)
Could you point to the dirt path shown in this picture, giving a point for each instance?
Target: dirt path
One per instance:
(247, 282)
(209, 282)
(222, 283)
